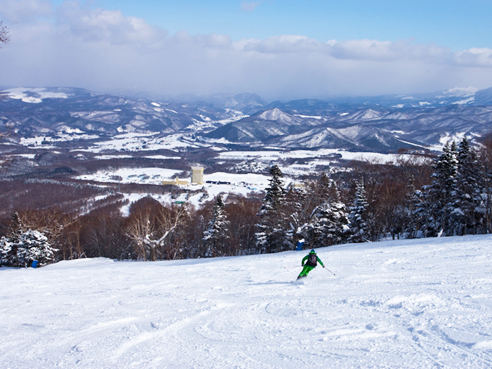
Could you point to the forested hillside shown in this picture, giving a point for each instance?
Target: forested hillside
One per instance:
(416, 196)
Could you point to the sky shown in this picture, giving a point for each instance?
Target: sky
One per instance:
(280, 49)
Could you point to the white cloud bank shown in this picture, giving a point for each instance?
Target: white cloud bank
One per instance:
(74, 45)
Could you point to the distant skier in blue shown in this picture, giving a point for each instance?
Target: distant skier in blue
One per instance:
(311, 261)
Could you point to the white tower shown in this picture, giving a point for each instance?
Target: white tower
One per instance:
(197, 175)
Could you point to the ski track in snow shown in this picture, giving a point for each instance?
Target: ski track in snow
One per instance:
(397, 304)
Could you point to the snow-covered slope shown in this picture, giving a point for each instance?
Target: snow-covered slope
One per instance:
(407, 304)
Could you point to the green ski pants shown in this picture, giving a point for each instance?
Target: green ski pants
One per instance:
(306, 270)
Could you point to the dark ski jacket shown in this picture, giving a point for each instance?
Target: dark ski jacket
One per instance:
(306, 258)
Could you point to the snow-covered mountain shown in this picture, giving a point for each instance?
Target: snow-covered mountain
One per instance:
(263, 126)
(49, 111)
(454, 96)
(381, 123)
(424, 303)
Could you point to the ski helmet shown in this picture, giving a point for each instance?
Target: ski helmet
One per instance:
(313, 252)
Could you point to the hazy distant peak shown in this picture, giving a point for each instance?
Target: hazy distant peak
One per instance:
(33, 95)
(461, 91)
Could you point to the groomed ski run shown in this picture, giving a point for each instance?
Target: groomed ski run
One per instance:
(423, 303)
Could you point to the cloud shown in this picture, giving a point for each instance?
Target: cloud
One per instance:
(249, 6)
(106, 26)
(103, 50)
(475, 57)
(285, 44)
(23, 10)
(362, 50)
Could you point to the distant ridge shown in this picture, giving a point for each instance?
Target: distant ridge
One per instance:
(379, 123)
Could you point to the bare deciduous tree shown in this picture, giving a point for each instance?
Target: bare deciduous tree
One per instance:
(150, 227)
(140, 229)
(4, 38)
(4, 33)
(55, 225)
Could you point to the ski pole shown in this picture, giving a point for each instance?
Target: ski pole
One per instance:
(329, 270)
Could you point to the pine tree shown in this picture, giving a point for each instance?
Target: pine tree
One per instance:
(217, 234)
(16, 227)
(9, 245)
(328, 221)
(357, 223)
(486, 169)
(297, 205)
(414, 210)
(329, 224)
(440, 193)
(22, 246)
(271, 229)
(324, 188)
(465, 214)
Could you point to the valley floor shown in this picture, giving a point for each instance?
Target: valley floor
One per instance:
(401, 304)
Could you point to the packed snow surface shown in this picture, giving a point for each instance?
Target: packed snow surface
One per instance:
(399, 304)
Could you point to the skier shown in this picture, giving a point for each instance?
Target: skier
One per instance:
(312, 261)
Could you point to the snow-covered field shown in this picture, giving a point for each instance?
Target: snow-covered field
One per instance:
(131, 175)
(397, 304)
(142, 142)
(240, 184)
(224, 183)
(308, 154)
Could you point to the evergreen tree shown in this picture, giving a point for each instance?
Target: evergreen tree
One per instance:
(466, 204)
(22, 246)
(329, 224)
(324, 188)
(357, 223)
(16, 227)
(328, 221)
(414, 210)
(441, 191)
(486, 169)
(271, 229)
(217, 234)
(297, 204)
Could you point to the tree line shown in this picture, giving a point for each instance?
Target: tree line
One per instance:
(414, 196)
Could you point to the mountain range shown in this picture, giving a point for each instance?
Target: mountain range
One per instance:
(381, 123)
